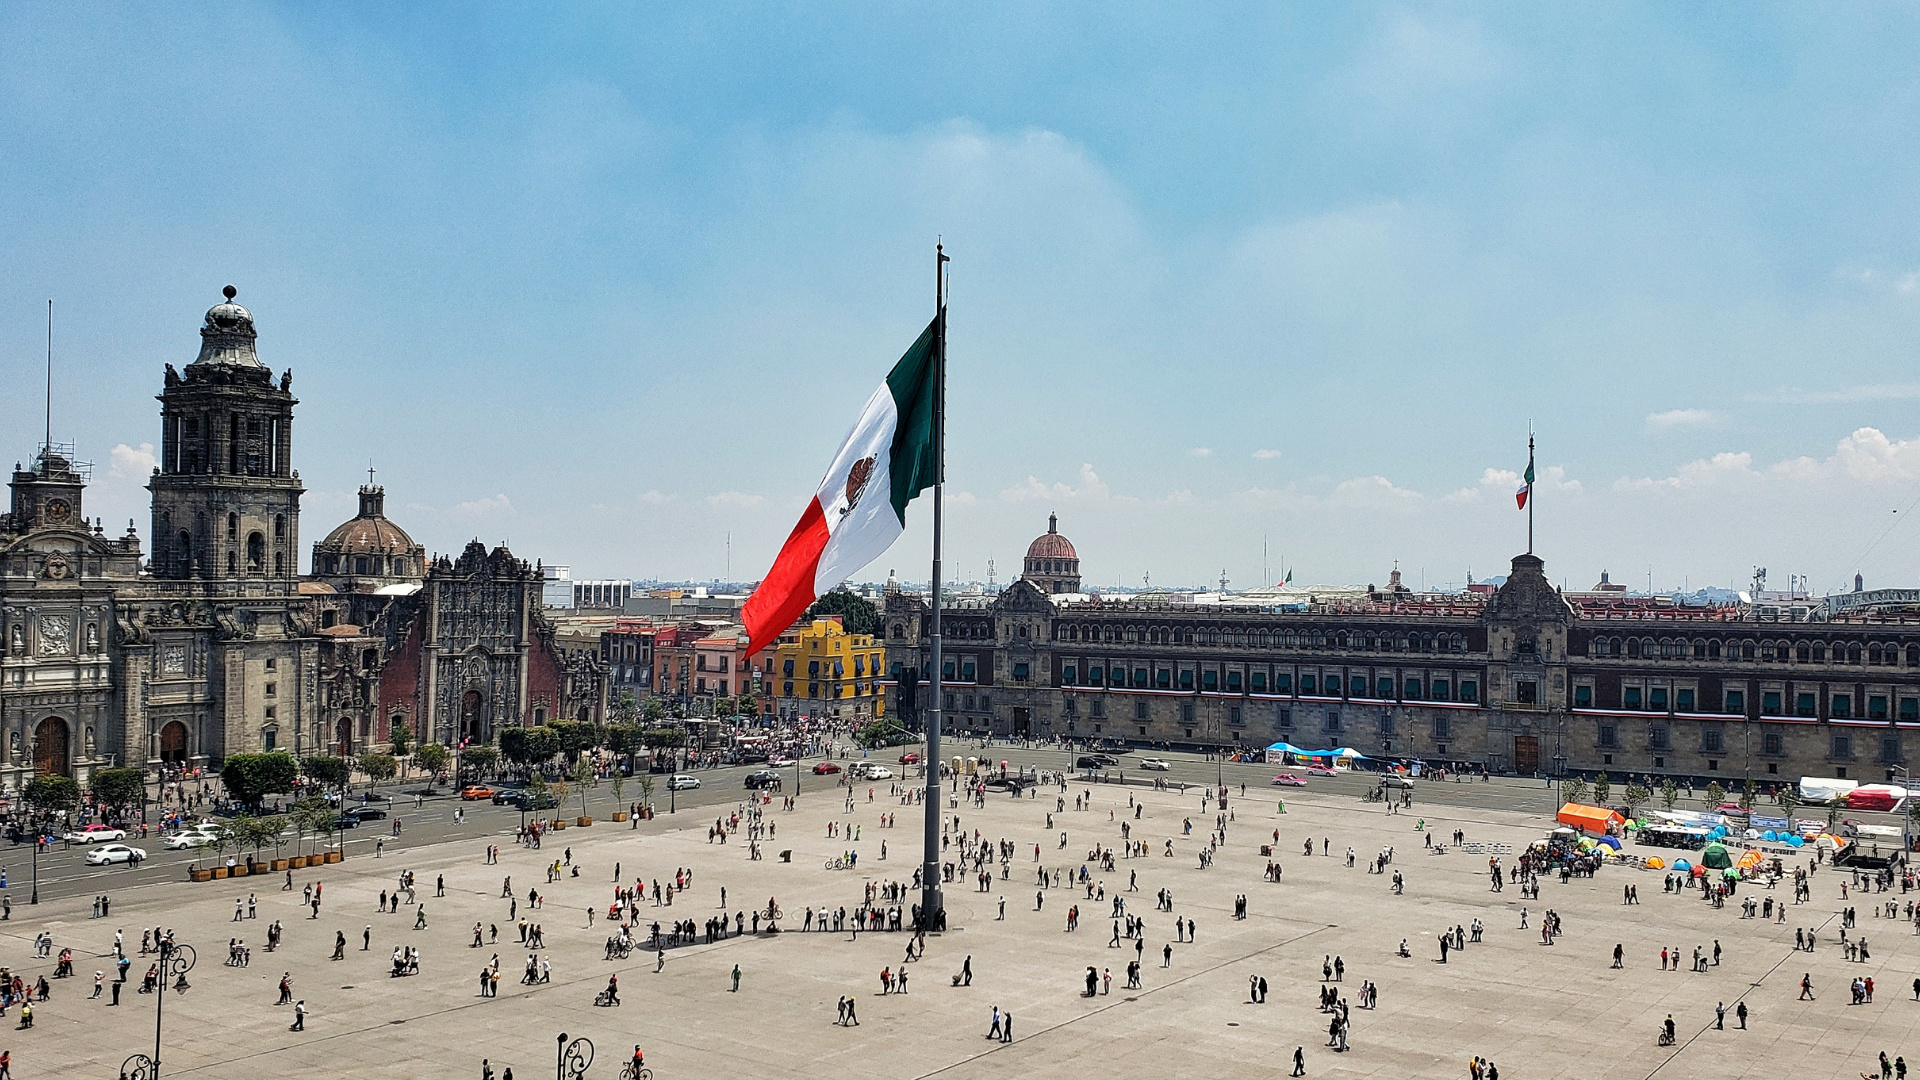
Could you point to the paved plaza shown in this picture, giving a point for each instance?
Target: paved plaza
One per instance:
(1535, 1010)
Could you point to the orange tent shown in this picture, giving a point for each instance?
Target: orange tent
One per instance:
(1593, 819)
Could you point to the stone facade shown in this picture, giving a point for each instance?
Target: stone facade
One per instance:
(1527, 680)
(217, 645)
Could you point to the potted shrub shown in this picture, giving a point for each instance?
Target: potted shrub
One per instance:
(196, 872)
(618, 782)
(583, 778)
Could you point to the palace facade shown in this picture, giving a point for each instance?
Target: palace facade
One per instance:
(1525, 679)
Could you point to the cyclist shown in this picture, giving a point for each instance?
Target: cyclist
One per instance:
(639, 1060)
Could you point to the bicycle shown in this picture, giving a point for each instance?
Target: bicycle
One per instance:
(772, 913)
(836, 864)
(628, 1073)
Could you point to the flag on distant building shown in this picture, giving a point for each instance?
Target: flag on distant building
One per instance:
(860, 508)
(1526, 485)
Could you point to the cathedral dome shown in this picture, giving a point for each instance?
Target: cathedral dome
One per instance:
(369, 544)
(1050, 544)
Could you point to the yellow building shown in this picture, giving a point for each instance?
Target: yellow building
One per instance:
(827, 672)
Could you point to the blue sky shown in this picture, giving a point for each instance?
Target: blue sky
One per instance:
(611, 285)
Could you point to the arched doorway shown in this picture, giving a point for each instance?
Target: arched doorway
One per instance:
(343, 738)
(173, 743)
(472, 718)
(50, 743)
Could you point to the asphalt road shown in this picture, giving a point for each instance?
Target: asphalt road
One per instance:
(63, 872)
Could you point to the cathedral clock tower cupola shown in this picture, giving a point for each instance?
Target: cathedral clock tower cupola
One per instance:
(226, 499)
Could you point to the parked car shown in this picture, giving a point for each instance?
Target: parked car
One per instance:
(825, 768)
(764, 778)
(115, 853)
(682, 782)
(506, 795)
(522, 800)
(95, 834)
(1094, 761)
(476, 791)
(1154, 764)
(1287, 779)
(366, 813)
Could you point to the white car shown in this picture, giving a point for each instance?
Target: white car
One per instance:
(192, 838)
(778, 762)
(878, 772)
(682, 782)
(94, 834)
(1154, 764)
(115, 853)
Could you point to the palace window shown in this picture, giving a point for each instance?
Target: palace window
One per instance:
(1769, 702)
(1841, 747)
(1583, 697)
(1283, 717)
(1710, 740)
(1877, 707)
(1469, 690)
(1771, 743)
(1609, 735)
(1843, 705)
(1683, 700)
(1803, 705)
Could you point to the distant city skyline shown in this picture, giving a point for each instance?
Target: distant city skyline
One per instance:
(1228, 280)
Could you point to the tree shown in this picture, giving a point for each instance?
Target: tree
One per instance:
(257, 832)
(306, 816)
(433, 758)
(723, 707)
(623, 740)
(118, 789)
(379, 767)
(46, 793)
(1573, 790)
(625, 707)
(1748, 792)
(645, 783)
(513, 745)
(1716, 794)
(655, 711)
(560, 790)
(660, 738)
(575, 736)
(583, 778)
(1634, 798)
(327, 772)
(252, 777)
(542, 744)
(617, 780)
(481, 760)
(1602, 787)
(1669, 792)
(1789, 797)
(887, 732)
(857, 614)
(401, 736)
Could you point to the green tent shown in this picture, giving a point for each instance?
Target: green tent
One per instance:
(1715, 857)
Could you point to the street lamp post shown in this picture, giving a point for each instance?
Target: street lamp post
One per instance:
(38, 831)
(571, 1059)
(175, 962)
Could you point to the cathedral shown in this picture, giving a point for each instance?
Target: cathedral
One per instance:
(216, 644)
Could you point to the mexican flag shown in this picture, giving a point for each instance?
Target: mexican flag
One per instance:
(861, 505)
(1526, 485)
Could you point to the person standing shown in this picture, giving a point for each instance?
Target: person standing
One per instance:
(1740, 1014)
(1720, 1016)
(736, 979)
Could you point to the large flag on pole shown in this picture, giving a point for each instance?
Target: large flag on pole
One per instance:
(1526, 484)
(860, 508)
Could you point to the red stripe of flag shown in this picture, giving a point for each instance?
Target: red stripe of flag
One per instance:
(784, 594)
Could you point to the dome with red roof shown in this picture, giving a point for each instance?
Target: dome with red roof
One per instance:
(1051, 562)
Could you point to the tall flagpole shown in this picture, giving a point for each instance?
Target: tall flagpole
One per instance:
(1529, 489)
(932, 911)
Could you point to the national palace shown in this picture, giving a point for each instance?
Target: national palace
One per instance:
(1523, 678)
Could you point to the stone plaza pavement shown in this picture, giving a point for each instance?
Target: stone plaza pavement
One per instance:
(1535, 1010)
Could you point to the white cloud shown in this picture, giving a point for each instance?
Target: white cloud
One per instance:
(1200, 452)
(127, 462)
(1681, 418)
(736, 500)
(494, 506)
(1373, 491)
(1089, 487)
(654, 498)
(1265, 455)
(1866, 457)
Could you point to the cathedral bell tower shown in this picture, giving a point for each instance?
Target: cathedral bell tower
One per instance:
(226, 500)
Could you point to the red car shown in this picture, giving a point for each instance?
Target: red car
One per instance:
(909, 758)
(1730, 808)
(825, 768)
(476, 791)
(1320, 770)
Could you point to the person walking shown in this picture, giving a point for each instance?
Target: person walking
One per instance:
(1740, 1014)
(299, 1015)
(1299, 1061)
(736, 979)
(1806, 987)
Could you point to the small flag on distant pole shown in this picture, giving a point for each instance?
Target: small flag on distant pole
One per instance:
(1526, 487)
